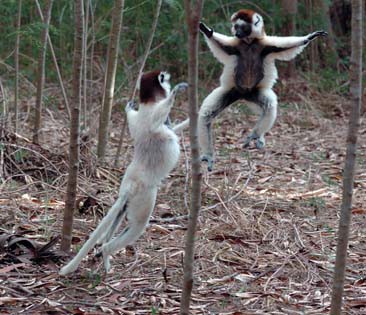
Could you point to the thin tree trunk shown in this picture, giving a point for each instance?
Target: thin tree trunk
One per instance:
(16, 61)
(91, 57)
(290, 10)
(85, 65)
(3, 127)
(54, 59)
(309, 17)
(4, 107)
(193, 11)
(349, 168)
(113, 47)
(74, 127)
(142, 66)
(41, 71)
(330, 39)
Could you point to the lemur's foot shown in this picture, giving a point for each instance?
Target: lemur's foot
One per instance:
(106, 258)
(259, 141)
(209, 160)
(70, 267)
(206, 30)
(107, 263)
(131, 105)
(249, 139)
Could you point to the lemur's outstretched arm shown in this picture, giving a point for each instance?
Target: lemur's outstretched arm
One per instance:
(220, 45)
(286, 48)
(161, 110)
(291, 41)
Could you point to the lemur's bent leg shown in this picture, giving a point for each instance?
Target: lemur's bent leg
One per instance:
(266, 99)
(108, 234)
(138, 213)
(103, 225)
(214, 104)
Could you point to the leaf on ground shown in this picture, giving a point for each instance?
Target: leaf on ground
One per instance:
(25, 250)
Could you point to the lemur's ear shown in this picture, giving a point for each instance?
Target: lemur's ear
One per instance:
(233, 17)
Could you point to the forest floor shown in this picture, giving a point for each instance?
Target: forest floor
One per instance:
(266, 238)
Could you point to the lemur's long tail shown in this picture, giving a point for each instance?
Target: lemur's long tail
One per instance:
(118, 206)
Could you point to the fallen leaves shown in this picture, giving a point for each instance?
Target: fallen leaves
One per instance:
(266, 236)
(17, 248)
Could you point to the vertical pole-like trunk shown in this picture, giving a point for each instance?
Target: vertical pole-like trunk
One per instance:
(330, 39)
(290, 10)
(193, 11)
(349, 168)
(91, 55)
(85, 65)
(55, 63)
(16, 61)
(41, 71)
(74, 126)
(113, 47)
(142, 66)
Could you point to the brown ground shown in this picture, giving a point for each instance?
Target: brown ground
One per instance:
(267, 231)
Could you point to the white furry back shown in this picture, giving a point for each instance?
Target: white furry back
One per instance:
(156, 154)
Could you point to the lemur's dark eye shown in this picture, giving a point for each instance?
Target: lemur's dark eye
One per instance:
(162, 77)
(258, 20)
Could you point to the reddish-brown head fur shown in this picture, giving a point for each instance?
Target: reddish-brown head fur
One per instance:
(246, 15)
(150, 89)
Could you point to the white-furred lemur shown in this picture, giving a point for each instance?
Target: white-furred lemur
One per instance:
(249, 74)
(156, 153)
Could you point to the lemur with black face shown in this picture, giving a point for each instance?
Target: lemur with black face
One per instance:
(249, 74)
(156, 153)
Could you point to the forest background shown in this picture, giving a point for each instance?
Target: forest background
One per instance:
(314, 104)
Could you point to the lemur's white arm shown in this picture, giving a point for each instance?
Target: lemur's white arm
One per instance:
(181, 126)
(224, 39)
(131, 114)
(288, 54)
(160, 113)
(284, 42)
(219, 44)
(216, 42)
(296, 44)
(161, 110)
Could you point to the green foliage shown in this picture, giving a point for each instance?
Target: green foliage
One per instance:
(170, 41)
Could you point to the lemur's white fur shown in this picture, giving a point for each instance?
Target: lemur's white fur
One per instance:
(156, 153)
(211, 104)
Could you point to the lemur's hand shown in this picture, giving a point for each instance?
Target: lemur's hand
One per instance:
(314, 35)
(206, 30)
(131, 105)
(180, 87)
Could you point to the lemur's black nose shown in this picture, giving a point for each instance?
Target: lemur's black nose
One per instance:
(243, 31)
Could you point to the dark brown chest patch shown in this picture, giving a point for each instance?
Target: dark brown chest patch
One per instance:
(249, 69)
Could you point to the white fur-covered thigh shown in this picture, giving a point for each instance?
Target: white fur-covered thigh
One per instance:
(141, 205)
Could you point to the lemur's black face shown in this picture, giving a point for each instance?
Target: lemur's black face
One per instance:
(247, 25)
(242, 29)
